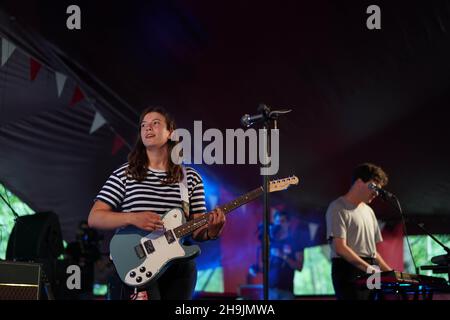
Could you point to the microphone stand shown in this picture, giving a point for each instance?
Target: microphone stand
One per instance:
(268, 117)
(266, 219)
(420, 225)
(402, 215)
(446, 249)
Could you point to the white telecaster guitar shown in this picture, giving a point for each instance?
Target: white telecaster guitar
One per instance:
(141, 257)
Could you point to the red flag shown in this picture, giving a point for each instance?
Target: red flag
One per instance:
(117, 144)
(77, 96)
(35, 66)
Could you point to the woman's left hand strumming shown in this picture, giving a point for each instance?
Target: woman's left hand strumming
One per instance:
(215, 223)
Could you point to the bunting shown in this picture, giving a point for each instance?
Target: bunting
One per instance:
(118, 143)
(77, 96)
(7, 50)
(60, 81)
(98, 122)
(35, 66)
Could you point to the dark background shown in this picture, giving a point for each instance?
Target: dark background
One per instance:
(357, 95)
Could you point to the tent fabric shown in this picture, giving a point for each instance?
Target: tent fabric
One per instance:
(48, 156)
(357, 95)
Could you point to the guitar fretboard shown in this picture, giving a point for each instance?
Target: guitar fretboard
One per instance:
(194, 224)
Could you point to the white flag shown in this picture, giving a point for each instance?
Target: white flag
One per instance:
(7, 50)
(98, 122)
(60, 81)
(313, 227)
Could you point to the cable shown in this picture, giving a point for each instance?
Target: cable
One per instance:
(14, 234)
(5, 192)
(9, 205)
(406, 234)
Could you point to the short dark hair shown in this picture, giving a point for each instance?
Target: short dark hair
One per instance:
(368, 171)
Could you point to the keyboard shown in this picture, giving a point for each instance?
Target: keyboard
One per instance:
(402, 278)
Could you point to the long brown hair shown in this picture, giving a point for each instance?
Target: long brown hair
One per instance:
(138, 160)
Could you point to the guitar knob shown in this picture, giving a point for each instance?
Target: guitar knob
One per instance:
(132, 274)
(142, 269)
(148, 274)
(138, 279)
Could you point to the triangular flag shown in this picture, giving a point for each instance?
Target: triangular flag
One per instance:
(35, 66)
(60, 81)
(117, 144)
(7, 50)
(98, 122)
(313, 227)
(77, 96)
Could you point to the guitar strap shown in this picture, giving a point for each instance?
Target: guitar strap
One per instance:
(184, 193)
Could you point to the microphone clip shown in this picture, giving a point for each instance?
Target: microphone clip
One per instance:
(264, 115)
(384, 194)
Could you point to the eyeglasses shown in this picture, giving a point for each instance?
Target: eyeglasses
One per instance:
(374, 187)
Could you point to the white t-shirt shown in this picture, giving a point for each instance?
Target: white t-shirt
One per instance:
(357, 224)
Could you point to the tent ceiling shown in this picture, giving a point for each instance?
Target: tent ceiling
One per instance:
(357, 95)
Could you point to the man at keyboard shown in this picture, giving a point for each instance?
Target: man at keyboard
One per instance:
(353, 232)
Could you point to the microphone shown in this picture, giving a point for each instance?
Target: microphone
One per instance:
(264, 114)
(384, 194)
(247, 120)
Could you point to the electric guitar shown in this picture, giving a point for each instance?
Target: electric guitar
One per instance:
(141, 257)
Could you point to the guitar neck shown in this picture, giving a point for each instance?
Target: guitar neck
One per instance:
(196, 223)
(240, 201)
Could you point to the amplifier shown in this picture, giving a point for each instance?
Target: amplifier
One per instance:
(20, 280)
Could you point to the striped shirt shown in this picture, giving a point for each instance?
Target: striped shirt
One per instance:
(125, 194)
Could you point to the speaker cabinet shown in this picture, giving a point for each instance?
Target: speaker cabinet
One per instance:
(20, 280)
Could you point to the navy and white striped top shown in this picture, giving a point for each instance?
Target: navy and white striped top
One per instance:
(125, 194)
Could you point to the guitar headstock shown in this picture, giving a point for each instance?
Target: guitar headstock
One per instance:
(282, 184)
